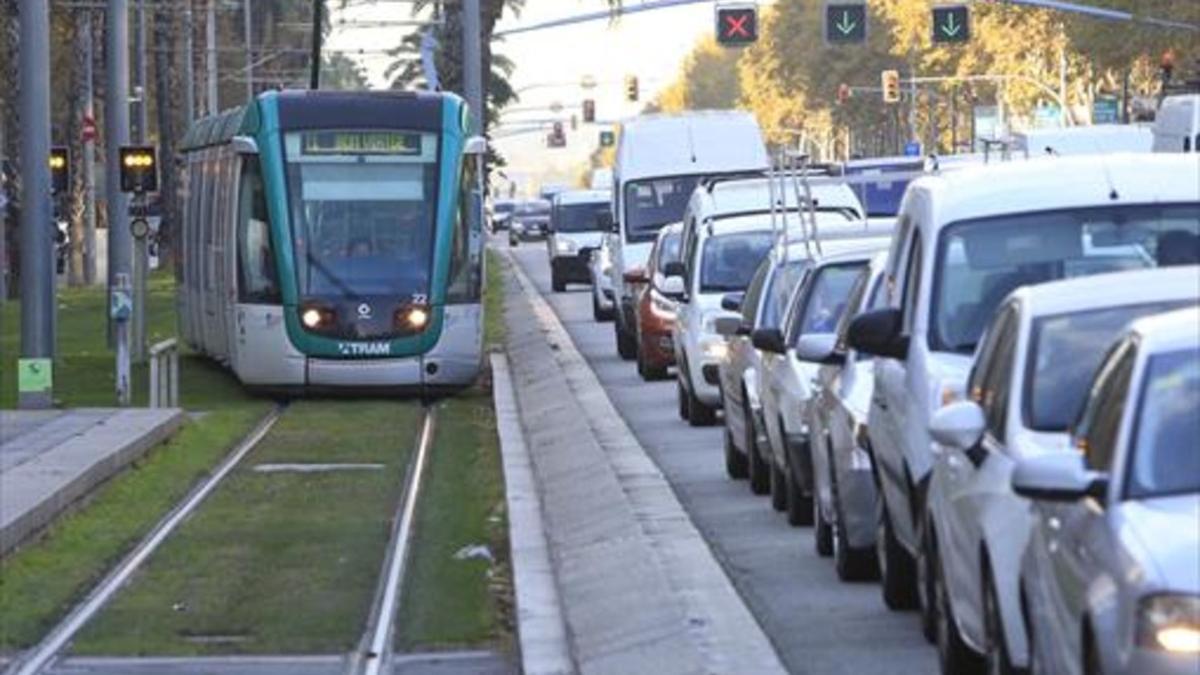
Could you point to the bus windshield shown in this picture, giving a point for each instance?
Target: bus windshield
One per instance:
(363, 206)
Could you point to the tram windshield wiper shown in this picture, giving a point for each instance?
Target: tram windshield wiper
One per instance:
(333, 278)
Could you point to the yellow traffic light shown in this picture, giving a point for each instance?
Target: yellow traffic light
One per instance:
(632, 94)
(138, 169)
(891, 86)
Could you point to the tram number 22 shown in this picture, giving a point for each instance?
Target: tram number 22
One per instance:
(420, 299)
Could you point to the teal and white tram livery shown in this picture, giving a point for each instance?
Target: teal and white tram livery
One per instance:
(332, 241)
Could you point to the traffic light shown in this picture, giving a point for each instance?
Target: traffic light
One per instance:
(589, 111)
(60, 169)
(557, 137)
(737, 25)
(843, 93)
(139, 169)
(632, 94)
(891, 86)
(845, 23)
(952, 23)
(607, 139)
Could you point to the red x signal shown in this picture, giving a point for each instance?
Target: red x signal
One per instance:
(737, 25)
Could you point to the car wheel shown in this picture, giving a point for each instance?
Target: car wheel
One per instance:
(926, 559)
(557, 283)
(626, 343)
(799, 506)
(699, 414)
(760, 479)
(953, 654)
(896, 566)
(996, 656)
(599, 315)
(851, 564)
(822, 530)
(778, 488)
(1091, 654)
(735, 462)
(681, 399)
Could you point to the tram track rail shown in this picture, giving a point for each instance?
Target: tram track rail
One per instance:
(42, 656)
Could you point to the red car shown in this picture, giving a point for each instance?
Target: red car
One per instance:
(655, 310)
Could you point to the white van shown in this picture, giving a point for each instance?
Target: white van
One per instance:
(1101, 139)
(1177, 126)
(660, 160)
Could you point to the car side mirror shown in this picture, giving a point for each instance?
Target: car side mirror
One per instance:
(672, 287)
(728, 326)
(769, 340)
(958, 425)
(732, 302)
(636, 275)
(819, 348)
(877, 333)
(1058, 477)
(674, 269)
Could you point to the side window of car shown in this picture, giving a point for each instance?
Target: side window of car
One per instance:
(1096, 434)
(895, 260)
(1000, 375)
(912, 282)
(854, 304)
(754, 291)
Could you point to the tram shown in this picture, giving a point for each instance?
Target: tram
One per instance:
(332, 241)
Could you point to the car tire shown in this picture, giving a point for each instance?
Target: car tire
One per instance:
(760, 479)
(822, 530)
(953, 654)
(851, 564)
(681, 398)
(799, 507)
(778, 488)
(735, 462)
(997, 659)
(896, 566)
(648, 372)
(926, 574)
(599, 315)
(699, 414)
(626, 343)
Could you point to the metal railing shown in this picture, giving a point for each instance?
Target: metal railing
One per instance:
(164, 374)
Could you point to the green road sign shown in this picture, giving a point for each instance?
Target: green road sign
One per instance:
(951, 23)
(35, 376)
(607, 139)
(845, 23)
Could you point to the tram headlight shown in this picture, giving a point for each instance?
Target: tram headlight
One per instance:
(316, 318)
(414, 317)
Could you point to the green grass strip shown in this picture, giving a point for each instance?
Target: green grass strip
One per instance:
(274, 563)
(40, 582)
(494, 329)
(451, 602)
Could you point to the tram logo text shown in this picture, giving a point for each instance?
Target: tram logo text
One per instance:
(364, 348)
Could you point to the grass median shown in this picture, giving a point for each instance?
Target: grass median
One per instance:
(40, 581)
(275, 562)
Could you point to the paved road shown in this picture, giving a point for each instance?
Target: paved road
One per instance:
(817, 624)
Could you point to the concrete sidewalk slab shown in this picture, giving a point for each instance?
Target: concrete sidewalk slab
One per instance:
(50, 459)
(641, 590)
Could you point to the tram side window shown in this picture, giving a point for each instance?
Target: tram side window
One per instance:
(464, 276)
(257, 280)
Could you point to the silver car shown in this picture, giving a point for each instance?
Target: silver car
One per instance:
(843, 479)
(1111, 576)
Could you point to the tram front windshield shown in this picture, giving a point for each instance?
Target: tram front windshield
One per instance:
(363, 207)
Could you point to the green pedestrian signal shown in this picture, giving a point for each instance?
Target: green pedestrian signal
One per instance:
(845, 23)
(952, 24)
(607, 139)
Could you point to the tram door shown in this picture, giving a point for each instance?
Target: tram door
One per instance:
(258, 339)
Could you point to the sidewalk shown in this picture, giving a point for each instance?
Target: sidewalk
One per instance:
(51, 458)
(638, 588)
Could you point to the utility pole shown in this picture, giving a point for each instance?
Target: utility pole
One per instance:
(473, 63)
(189, 63)
(210, 57)
(314, 66)
(246, 30)
(89, 152)
(141, 261)
(120, 239)
(36, 367)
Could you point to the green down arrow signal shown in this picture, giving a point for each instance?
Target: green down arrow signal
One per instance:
(951, 28)
(846, 24)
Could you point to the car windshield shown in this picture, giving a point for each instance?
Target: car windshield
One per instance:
(730, 260)
(1064, 352)
(362, 211)
(982, 261)
(651, 204)
(1166, 458)
(826, 301)
(535, 208)
(579, 217)
(504, 207)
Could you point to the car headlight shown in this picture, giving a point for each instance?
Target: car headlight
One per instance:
(1170, 623)
(714, 348)
(565, 245)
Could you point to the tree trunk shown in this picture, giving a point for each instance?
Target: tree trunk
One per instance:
(76, 191)
(166, 104)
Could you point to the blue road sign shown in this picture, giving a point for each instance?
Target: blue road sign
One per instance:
(912, 149)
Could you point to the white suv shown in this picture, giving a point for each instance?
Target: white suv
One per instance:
(1030, 378)
(964, 241)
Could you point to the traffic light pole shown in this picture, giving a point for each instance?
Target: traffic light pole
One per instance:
(120, 244)
(35, 376)
(141, 262)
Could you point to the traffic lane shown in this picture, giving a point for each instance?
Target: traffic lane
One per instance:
(816, 623)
